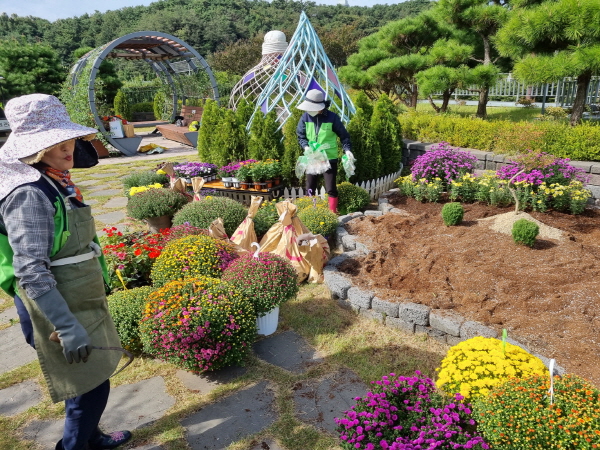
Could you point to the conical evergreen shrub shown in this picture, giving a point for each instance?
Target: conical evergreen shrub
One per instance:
(387, 133)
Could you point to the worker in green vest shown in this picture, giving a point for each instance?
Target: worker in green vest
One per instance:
(323, 127)
(50, 261)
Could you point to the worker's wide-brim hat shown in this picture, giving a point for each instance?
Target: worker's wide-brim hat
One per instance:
(37, 122)
(314, 101)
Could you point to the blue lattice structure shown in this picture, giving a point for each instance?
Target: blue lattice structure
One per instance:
(303, 66)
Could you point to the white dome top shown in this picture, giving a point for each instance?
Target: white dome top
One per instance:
(275, 42)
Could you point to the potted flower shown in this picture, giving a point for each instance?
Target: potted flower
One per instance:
(259, 173)
(273, 172)
(196, 169)
(227, 173)
(156, 207)
(267, 280)
(244, 174)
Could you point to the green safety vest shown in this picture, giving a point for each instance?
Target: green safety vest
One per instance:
(8, 282)
(325, 136)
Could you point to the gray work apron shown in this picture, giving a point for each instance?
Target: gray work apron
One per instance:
(82, 286)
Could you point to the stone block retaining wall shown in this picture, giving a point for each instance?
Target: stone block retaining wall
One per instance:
(443, 325)
(492, 161)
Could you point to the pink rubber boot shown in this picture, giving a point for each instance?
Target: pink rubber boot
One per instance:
(333, 202)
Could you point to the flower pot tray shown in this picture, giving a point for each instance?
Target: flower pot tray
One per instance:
(244, 195)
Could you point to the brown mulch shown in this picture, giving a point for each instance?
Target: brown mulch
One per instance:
(547, 297)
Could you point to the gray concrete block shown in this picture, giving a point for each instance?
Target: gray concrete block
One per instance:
(208, 381)
(518, 344)
(453, 340)
(287, 350)
(470, 329)
(356, 214)
(361, 248)
(400, 324)
(490, 165)
(241, 414)
(372, 213)
(372, 315)
(593, 179)
(499, 158)
(381, 200)
(399, 211)
(336, 261)
(595, 168)
(320, 402)
(431, 332)
(340, 232)
(447, 321)
(14, 350)
(344, 219)
(585, 165)
(394, 190)
(337, 284)
(360, 298)
(349, 242)
(414, 313)
(19, 398)
(385, 208)
(595, 190)
(390, 309)
(132, 406)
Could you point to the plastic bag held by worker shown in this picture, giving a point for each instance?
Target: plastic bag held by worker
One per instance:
(281, 239)
(317, 161)
(349, 164)
(245, 234)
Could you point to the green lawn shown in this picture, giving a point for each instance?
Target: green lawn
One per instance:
(512, 113)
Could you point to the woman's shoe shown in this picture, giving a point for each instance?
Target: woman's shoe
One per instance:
(109, 441)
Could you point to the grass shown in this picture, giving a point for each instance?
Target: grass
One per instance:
(341, 337)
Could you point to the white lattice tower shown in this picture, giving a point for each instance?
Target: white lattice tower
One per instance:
(254, 80)
(303, 66)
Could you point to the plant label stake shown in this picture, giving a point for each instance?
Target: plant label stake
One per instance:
(551, 390)
(504, 337)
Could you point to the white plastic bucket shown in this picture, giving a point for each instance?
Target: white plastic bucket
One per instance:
(267, 324)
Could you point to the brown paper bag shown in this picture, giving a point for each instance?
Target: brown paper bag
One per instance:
(281, 239)
(245, 235)
(217, 230)
(315, 250)
(197, 183)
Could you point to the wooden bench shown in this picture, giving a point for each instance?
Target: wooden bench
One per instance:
(183, 134)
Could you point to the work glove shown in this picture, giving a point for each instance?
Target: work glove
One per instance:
(75, 342)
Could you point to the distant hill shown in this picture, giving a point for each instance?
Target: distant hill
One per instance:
(208, 25)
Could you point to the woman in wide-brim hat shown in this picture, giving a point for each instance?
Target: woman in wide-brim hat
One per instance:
(51, 264)
(322, 126)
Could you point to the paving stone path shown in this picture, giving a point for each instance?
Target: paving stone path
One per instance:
(243, 413)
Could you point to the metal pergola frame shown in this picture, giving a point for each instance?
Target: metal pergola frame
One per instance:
(157, 49)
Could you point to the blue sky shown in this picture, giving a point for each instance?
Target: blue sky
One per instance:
(60, 9)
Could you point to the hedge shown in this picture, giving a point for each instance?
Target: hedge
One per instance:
(581, 142)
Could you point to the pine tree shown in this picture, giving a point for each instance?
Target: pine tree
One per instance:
(208, 130)
(292, 150)
(386, 131)
(226, 140)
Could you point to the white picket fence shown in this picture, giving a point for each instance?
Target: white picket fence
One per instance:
(374, 187)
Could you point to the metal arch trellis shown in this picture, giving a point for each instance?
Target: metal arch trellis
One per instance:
(157, 49)
(303, 66)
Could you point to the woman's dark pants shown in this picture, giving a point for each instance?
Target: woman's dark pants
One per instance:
(82, 412)
(330, 181)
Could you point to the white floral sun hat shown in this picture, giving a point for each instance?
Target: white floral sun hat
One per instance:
(37, 121)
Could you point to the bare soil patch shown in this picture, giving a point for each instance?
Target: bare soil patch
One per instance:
(547, 297)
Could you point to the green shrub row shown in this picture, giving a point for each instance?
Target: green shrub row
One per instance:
(142, 107)
(505, 137)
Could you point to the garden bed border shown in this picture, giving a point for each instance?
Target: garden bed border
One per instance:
(443, 325)
(492, 161)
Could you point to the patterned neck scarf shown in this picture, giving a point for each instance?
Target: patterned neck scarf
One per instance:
(64, 179)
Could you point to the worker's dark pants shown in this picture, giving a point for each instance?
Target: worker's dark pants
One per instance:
(83, 412)
(330, 183)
